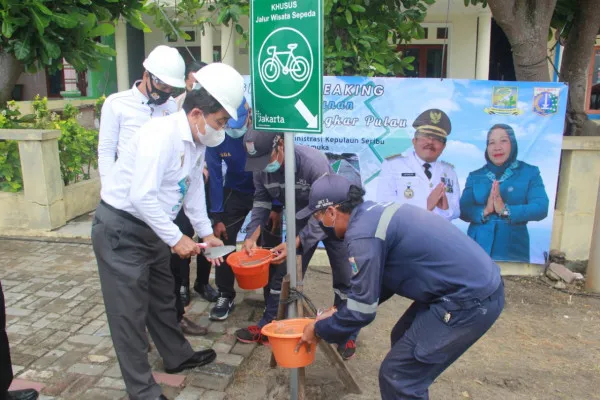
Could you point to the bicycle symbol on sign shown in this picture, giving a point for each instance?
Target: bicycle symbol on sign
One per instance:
(296, 66)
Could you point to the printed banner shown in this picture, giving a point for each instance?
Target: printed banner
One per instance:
(483, 154)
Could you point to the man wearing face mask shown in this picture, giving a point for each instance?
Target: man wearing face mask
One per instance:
(266, 159)
(420, 178)
(231, 202)
(159, 172)
(125, 112)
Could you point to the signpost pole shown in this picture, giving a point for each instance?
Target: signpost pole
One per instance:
(290, 220)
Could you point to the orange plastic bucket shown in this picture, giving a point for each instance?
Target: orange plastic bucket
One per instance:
(251, 272)
(283, 336)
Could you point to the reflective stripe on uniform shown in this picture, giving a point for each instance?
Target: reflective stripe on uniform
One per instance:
(384, 220)
(340, 294)
(273, 291)
(357, 306)
(272, 185)
(261, 204)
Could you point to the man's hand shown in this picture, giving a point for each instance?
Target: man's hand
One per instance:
(249, 246)
(280, 252)
(434, 197)
(326, 313)
(308, 338)
(212, 241)
(274, 221)
(220, 231)
(205, 174)
(443, 203)
(186, 247)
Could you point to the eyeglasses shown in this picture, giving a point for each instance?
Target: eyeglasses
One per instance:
(160, 84)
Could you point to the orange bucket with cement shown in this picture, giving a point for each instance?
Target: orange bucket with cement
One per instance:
(283, 336)
(251, 272)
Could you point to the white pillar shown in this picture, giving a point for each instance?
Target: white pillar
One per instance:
(206, 44)
(228, 44)
(122, 62)
(484, 36)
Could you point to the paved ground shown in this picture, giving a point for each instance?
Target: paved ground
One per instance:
(59, 338)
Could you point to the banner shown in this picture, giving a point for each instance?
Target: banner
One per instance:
(504, 200)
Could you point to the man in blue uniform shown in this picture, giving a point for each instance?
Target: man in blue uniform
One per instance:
(266, 158)
(402, 249)
(230, 203)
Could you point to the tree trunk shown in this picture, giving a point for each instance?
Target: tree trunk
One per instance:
(11, 70)
(575, 63)
(526, 24)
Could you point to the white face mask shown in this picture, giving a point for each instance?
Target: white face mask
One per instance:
(211, 137)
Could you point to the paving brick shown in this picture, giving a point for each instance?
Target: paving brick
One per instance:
(87, 369)
(213, 376)
(20, 384)
(72, 386)
(213, 395)
(21, 358)
(191, 393)
(67, 360)
(113, 372)
(243, 349)
(563, 272)
(98, 358)
(103, 394)
(222, 347)
(198, 307)
(55, 339)
(173, 380)
(92, 327)
(37, 376)
(216, 327)
(230, 359)
(18, 312)
(111, 383)
(85, 339)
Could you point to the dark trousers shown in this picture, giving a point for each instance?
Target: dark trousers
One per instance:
(236, 206)
(137, 286)
(6, 373)
(180, 268)
(430, 337)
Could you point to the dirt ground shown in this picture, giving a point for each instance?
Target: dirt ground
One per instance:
(546, 345)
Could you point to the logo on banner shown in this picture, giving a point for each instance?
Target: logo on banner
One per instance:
(545, 101)
(504, 101)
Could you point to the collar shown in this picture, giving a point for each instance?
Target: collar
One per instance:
(137, 94)
(183, 126)
(421, 162)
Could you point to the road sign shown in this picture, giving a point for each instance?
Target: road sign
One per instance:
(286, 65)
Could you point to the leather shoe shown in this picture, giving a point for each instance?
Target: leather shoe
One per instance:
(25, 394)
(206, 291)
(191, 328)
(199, 359)
(184, 295)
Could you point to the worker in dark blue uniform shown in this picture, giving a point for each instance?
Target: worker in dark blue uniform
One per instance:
(402, 249)
(230, 203)
(266, 158)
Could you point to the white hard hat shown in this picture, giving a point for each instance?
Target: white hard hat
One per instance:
(166, 64)
(223, 83)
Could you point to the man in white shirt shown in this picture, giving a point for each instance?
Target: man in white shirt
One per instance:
(125, 112)
(419, 178)
(158, 173)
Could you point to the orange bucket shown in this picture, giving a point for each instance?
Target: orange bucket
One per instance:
(251, 272)
(283, 336)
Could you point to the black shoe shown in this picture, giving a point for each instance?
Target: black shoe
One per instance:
(199, 359)
(221, 310)
(25, 394)
(184, 295)
(206, 291)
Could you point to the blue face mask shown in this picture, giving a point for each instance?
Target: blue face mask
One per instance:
(237, 132)
(273, 167)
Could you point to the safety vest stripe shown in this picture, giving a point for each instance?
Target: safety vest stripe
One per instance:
(384, 221)
(340, 294)
(262, 204)
(357, 306)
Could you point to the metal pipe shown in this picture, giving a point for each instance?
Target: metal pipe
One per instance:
(592, 282)
(290, 220)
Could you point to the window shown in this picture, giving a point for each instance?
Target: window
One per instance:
(192, 35)
(442, 33)
(593, 88)
(428, 60)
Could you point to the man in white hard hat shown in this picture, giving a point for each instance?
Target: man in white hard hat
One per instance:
(133, 234)
(125, 112)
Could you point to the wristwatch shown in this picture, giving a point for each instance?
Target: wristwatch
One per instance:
(505, 213)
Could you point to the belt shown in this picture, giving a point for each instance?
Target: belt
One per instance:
(124, 214)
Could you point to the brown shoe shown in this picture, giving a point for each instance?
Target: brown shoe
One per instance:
(189, 327)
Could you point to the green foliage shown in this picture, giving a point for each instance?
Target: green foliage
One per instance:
(40, 33)
(98, 106)
(77, 145)
(361, 37)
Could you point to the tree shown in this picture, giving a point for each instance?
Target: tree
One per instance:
(38, 34)
(527, 24)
